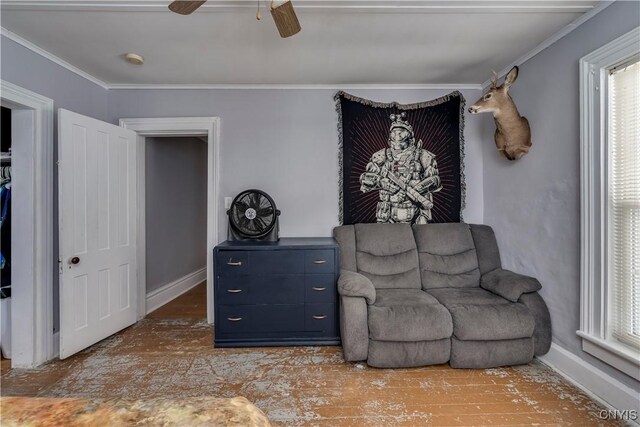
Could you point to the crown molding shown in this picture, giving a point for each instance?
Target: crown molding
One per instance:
(51, 57)
(602, 5)
(376, 6)
(462, 86)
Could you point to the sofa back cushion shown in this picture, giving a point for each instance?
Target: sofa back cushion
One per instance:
(486, 247)
(447, 256)
(387, 255)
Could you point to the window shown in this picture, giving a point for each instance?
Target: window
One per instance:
(624, 203)
(610, 203)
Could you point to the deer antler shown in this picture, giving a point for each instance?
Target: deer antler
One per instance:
(494, 79)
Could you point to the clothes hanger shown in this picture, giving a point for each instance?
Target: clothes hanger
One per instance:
(5, 174)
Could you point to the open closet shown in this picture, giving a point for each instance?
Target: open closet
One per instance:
(5, 234)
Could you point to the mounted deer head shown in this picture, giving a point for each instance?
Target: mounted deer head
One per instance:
(513, 135)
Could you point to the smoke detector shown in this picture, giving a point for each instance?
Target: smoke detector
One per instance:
(134, 58)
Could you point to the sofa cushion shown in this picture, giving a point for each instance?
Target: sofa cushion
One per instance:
(490, 354)
(489, 322)
(404, 297)
(390, 354)
(451, 296)
(447, 256)
(387, 255)
(408, 315)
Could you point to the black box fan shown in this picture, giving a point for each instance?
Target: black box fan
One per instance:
(253, 216)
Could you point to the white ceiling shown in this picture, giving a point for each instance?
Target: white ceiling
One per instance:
(341, 42)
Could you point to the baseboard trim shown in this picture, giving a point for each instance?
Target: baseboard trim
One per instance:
(173, 290)
(597, 384)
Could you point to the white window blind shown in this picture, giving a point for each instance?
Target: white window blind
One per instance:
(624, 204)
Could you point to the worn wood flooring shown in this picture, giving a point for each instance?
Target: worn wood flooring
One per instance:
(170, 354)
(190, 305)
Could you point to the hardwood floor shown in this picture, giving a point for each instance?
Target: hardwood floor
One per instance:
(190, 305)
(171, 355)
(5, 365)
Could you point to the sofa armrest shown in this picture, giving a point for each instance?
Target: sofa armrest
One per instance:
(509, 285)
(542, 333)
(354, 328)
(352, 284)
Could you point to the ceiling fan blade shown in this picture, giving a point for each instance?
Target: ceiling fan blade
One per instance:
(286, 19)
(184, 7)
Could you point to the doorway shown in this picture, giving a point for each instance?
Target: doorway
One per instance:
(176, 226)
(208, 129)
(31, 247)
(5, 233)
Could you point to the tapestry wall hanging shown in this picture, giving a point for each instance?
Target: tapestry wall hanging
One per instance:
(401, 163)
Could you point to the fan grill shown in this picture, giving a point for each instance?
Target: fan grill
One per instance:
(253, 213)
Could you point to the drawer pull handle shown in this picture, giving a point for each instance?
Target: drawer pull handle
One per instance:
(319, 289)
(320, 261)
(319, 317)
(234, 319)
(234, 263)
(234, 291)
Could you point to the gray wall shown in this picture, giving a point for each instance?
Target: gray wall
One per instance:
(534, 203)
(176, 208)
(285, 142)
(68, 90)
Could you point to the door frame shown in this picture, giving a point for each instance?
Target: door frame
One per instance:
(178, 126)
(32, 303)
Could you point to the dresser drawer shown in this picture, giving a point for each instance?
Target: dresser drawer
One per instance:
(320, 317)
(258, 289)
(319, 261)
(319, 288)
(277, 262)
(232, 263)
(260, 318)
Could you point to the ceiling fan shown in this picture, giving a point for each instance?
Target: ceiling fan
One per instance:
(283, 15)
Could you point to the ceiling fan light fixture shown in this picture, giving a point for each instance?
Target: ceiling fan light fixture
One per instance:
(134, 58)
(286, 19)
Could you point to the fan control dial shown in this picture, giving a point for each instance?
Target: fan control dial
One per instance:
(250, 213)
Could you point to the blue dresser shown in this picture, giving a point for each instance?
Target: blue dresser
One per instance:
(281, 293)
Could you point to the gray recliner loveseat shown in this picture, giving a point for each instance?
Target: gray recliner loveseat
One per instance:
(435, 293)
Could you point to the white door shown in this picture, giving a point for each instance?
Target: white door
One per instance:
(97, 208)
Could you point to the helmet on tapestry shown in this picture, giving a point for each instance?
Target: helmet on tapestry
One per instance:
(398, 122)
(401, 132)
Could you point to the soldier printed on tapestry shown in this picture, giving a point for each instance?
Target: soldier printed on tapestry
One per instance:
(405, 175)
(401, 163)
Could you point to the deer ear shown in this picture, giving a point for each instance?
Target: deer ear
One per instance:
(512, 75)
